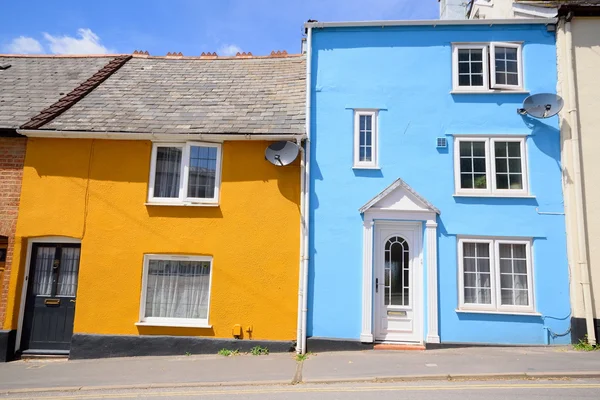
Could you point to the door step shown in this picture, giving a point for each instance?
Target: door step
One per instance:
(44, 354)
(394, 346)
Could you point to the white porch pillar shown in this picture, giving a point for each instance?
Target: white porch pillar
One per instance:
(366, 335)
(432, 282)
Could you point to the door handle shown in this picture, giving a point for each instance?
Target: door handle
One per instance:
(72, 300)
(376, 285)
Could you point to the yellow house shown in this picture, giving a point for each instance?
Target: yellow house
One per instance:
(150, 221)
(28, 85)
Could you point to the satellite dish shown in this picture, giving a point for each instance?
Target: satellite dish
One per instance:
(282, 153)
(542, 105)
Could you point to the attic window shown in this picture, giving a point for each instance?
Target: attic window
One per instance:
(487, 67)
(4, 66)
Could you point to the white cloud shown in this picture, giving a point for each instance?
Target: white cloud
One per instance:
(229, 50)
(25, 45)
(87, 43)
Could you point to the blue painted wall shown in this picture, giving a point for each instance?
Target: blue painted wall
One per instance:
(406, 71)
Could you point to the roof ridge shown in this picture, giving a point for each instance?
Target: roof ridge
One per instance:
(71, 98)
(62, 55)
(210, 57)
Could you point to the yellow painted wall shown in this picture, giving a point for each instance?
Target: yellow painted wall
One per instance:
(253, 236)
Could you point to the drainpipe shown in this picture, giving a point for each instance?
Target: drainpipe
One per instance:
(305, 209)
(301, 261)
(306, 242)
(582, 251)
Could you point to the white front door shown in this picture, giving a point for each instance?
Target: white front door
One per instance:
(398, 282)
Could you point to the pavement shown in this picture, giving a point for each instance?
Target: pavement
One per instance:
(439, 390)
(371, 366)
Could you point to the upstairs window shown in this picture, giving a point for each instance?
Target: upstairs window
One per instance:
(490, 166)
(472, 70)
(365, 139)
(483, 67)
(186, 173)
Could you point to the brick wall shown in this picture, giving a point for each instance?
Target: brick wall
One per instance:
(12, 158)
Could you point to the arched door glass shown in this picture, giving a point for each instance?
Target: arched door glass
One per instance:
(396, 274)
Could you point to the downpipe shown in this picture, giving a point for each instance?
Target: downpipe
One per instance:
(305, 209)
(301, 261)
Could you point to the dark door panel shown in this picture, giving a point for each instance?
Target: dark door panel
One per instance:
(51, 296)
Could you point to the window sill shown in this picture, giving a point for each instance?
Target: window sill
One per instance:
(152, 203)
(491, 91)
(525, 313)
(366, 167)
(495, 195)
(175, 324)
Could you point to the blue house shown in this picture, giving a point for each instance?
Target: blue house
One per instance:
(436, 210)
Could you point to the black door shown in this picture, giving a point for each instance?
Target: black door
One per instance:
(50, 304)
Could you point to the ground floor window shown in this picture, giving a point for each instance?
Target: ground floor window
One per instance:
(176, 290)
(495, 275)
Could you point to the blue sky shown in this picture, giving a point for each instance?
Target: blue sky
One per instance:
(187, 26)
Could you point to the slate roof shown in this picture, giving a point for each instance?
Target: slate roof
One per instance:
(556, 3)
(32, 83)
(564, 5)
(237, 95)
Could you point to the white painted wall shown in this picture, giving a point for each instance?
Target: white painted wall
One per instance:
(501, 9)
(586, 40)
(453, 9)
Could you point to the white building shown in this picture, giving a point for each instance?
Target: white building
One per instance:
(501, 9)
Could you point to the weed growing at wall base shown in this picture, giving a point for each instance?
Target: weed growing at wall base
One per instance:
(227, 352)
(584, 345)
(259, 351)
(302, 357)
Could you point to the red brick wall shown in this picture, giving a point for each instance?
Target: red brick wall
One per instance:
(12, 158)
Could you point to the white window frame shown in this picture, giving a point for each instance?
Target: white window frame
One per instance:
(490, 167)
(495, 282)
(183, 199)
(492, 61)
(461, 277)
(524, 191)
(373, 164)
(489, 68)
(485, 62)
(173, 322)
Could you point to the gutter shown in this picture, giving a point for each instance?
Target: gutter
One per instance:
(154, 136)
(434, 23)
(305, 210)
(582, 248)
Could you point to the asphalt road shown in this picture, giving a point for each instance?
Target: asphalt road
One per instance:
(459, 390)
